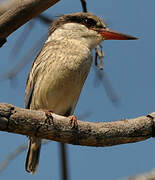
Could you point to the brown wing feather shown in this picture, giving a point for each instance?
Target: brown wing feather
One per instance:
(30, 85)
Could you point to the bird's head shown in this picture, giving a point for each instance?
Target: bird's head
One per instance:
(86, 28)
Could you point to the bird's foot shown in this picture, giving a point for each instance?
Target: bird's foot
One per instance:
(73, 121)
(48, 112)
(49, 116)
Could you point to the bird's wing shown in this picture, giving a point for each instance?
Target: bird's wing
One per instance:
(28, 93)
(35, 69)
(31, 80)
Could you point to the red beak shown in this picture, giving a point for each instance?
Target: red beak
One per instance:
(114, 35)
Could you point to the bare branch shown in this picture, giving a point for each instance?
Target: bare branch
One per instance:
(20, 13)
(36, 123)
(11, 156)
(64, 161)
(14, 154)
(24, 61)
(84, 5)
(19, 44)
(99, 54)
(101, 77)
(45, 19)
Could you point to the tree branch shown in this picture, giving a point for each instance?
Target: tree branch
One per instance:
(19, 13)
(36, 123)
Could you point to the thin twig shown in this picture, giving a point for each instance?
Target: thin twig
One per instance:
(84, 5)
(21, 39)
(64, 161)
(25, 60)
(45, 19)
(14, 154)
(99, 53)
(109, 90)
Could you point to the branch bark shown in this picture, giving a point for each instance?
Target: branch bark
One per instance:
(36, 123)
(20, 12)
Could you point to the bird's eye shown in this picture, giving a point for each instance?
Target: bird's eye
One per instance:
(90, 22)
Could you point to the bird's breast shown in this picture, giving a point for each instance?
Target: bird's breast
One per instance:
(63, 77)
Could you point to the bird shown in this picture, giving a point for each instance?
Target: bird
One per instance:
(59, 71)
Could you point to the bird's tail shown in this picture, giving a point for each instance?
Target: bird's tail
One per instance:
(33, 154)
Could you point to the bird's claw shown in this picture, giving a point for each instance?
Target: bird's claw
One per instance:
(73, 121)
(48, 112)
(49, 116)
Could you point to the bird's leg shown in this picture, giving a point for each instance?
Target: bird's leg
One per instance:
(73, 121)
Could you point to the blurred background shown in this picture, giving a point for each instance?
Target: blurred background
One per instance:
(129, 69)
